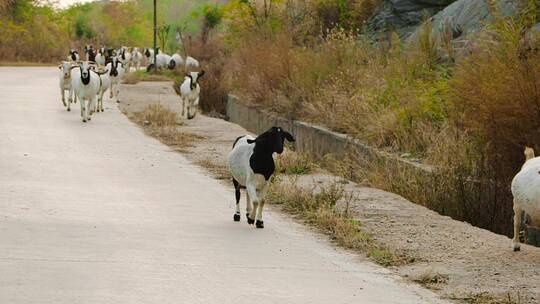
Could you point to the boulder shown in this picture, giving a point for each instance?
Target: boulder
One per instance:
(467, 17)
(404, 16)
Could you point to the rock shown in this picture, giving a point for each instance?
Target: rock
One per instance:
(146, 123)
(404, 16)
(465, 18)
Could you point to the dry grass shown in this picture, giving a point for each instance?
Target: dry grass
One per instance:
(136, 77)
(291, 162)
(430, 278)
(219, 171)
(162, 123)
(319, 207)
(487, 298)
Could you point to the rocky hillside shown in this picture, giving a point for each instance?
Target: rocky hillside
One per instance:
(463, 17)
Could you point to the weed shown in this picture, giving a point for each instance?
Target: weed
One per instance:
(319, 207)
(162, 123)
(291, 162)
(219, 171)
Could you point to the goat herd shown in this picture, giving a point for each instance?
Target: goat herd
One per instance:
(250, 162)
(104, 69)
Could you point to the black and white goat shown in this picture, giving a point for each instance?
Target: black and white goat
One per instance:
(116, 73)
(85, 82)
(251, 164)
(176, 61)
(125, 58)
(90, 53)
(73, 55)
(189, 93)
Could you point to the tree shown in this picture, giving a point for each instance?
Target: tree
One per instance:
(213, 14)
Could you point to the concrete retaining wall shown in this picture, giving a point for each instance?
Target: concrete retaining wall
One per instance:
(312, 139)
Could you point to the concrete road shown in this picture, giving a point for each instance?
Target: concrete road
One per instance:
(100, 213)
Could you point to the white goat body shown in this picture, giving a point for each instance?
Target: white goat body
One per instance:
(87, 93)
(526, 192)
(65, 83)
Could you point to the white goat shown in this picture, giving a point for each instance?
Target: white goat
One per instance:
(162, 60)
(65, 83)
(251, 164)
(191, 63)
(116, 73)
(104, 85)
(100, 57)
(189, 93)
(136, 58)
(526, 192)
(85, 83)
(175, 61)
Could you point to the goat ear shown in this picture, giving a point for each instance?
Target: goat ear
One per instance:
(288, 136)
(201, 74)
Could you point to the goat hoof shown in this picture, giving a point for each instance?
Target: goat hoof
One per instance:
(236, 217)
(249, 220)
(84, 120)
(259, 224)
(68, 110)
(516, 247)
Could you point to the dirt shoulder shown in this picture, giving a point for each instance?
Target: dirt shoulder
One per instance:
(457, 260)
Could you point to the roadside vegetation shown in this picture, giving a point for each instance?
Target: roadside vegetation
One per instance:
(143, 75)
(326, 208)
(162, 123)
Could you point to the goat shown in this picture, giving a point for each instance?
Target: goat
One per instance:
(90, 53)
(148, 53)
(73, 55)
(136, 58)
(251, 164)
(85, 83)
(176, 61)
(189, 93)
(116, 73)
(100, 57)
(109, 54)
(526, 193)
(65, 83)
(104, 85)
(191, 63)
(125, 58)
